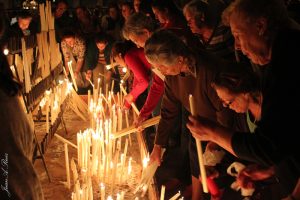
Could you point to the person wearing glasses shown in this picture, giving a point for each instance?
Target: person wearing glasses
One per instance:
(270, 38)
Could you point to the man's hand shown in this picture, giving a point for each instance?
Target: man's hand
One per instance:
(156, 154)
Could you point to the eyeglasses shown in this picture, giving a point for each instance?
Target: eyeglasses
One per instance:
(227, 103)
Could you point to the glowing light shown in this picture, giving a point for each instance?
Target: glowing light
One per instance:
(5, 51)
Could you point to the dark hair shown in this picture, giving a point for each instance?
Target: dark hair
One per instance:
(67, 33)
(62, 1)
(237, 79)
(128, 4)
(164, 5)
(23, 14)
(121, 47)
(102, 38)
(7, 83)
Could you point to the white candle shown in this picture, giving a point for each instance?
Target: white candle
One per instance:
(162, 192)
(67, 166)
(102, 191)
(98, 83)
(47, 116)
(199, 150)
(176, 196)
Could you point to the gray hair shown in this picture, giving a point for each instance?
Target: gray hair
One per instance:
(273, 10)
(136, 23)
(165, 47)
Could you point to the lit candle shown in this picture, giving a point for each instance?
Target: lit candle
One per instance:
(102, 191)
(109, 198)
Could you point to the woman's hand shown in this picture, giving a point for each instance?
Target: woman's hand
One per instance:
(128, 98)
(200, 128)
(88, 75)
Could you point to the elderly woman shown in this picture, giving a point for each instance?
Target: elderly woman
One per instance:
(267, 36)
(139, 27)
(128, 55)
(187, 72)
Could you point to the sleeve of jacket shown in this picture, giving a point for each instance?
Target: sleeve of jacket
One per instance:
(154, 95)
(141, 74)
(170, 108)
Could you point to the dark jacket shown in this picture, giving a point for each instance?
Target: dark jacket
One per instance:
(275, 141)
(92, 54)
(207, 103)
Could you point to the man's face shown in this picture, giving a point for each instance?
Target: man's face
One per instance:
(60, 9)
(113, 13)
(24, 23)
(249, 40)
(192, 23)
(161, 16)
(167, 69)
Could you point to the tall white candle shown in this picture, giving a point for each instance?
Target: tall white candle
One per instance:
(199, 150)
(67, 166)
(162, 192)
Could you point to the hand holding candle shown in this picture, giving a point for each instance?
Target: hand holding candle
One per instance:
(199, 150)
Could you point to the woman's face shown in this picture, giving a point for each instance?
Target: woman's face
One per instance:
(126, 11)
(120, 60)
(139, 39)
(237, 102)
(101, 45)
(70, 41)
(161, 16)
(250, 40)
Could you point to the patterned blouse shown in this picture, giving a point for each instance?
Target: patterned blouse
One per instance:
(77, 51)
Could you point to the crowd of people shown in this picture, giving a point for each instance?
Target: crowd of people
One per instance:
(238, 58)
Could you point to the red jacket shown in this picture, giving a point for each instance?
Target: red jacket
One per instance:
(136, 61)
